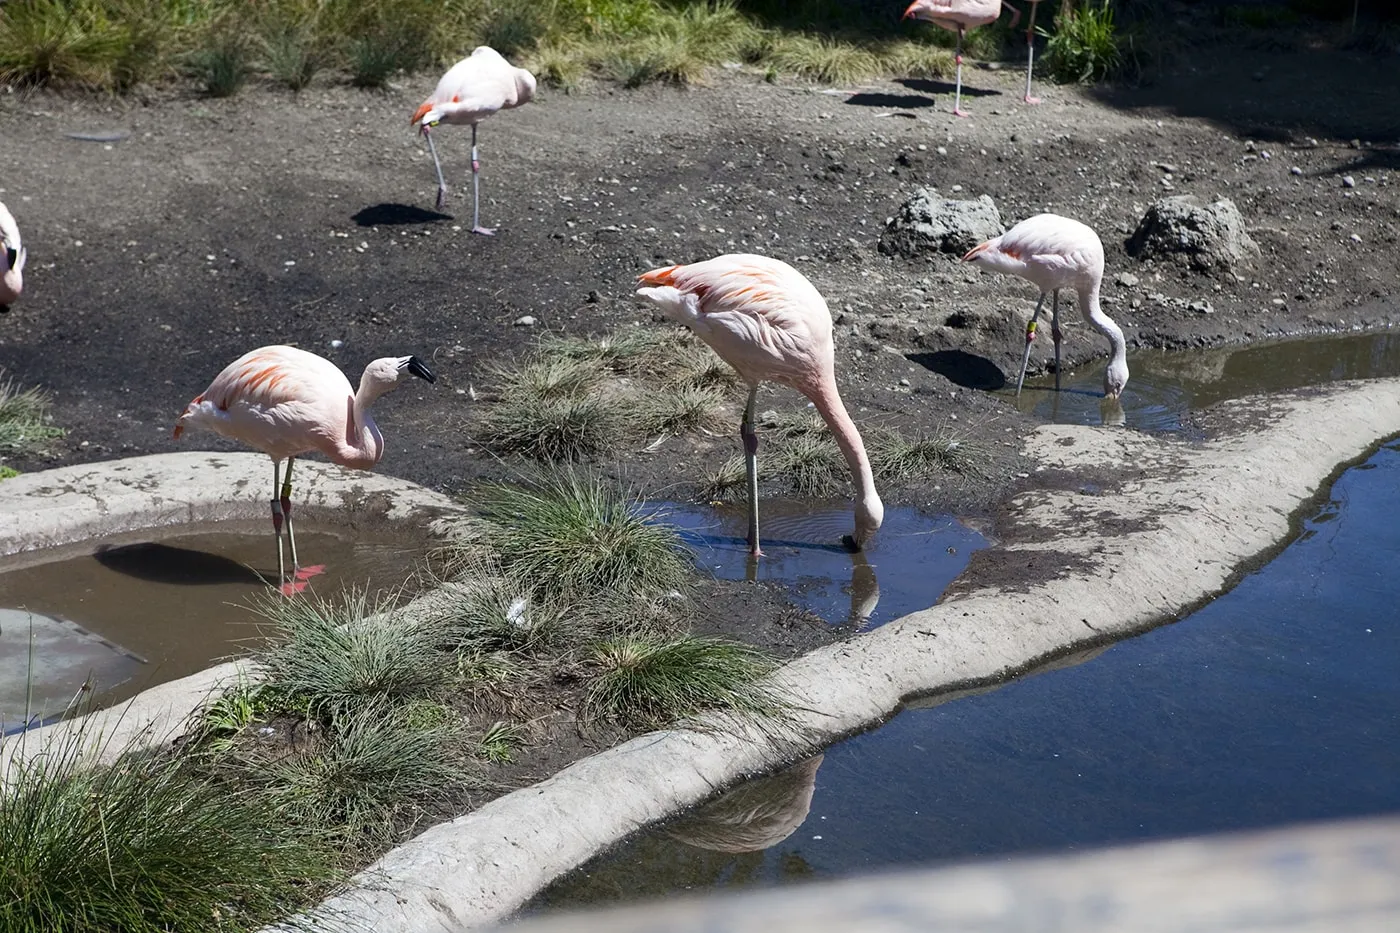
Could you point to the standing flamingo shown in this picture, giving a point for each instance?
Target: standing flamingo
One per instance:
(12, 272)
(1054, 252)
(285, 402)
(959, 16)
(472, 90)
(767, 321)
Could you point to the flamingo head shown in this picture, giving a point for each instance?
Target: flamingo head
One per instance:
(1115, 378)
(914, 10)
(384, 374)
(870, 514)
(524, 87)
(11, 276)
(426, 116)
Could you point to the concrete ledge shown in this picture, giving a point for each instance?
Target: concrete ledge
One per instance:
(1182, 520)
(97, 502)
(1324, 878)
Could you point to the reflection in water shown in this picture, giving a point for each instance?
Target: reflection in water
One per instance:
(155, 562)
(753, 816)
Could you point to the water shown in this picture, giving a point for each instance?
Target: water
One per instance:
(800, 541)
(1277, 702)
(1165, 387)
(145, 611)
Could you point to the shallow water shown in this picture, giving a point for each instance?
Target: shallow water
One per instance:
(1166, 386)
(801, 547)
(139, 613)
(1277, 702)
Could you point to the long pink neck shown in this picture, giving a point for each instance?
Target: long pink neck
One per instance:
(833, 411)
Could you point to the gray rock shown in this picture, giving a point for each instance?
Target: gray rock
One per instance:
(526, 321)
(1208, 238)
(1127, 280)
(929, 222)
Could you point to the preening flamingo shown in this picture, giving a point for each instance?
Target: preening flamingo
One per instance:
(473, 89)
(12, 269)
(767, 321)
(959, 16)
(286, 402)
(1054, 252)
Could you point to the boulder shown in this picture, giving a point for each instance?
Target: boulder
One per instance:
(1207, 237)
(929, 222)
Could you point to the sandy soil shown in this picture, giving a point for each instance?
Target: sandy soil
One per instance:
(218, 226)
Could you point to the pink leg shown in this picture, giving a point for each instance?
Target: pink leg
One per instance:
(957, 93)
(1030, 54)
(300, 574)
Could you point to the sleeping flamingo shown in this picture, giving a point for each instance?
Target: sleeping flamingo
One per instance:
(767, 321)
(12, 257)
(1054, 252)
(959, 16)
(286, 402)
(473, 89)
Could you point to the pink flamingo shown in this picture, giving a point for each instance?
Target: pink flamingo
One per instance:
(286, 402)
(13, 255)
(959, 16)
(767, 321)
(1054, 252)
(476, 87)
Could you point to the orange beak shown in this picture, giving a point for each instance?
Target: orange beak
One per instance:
(420, 113)
(910, 12)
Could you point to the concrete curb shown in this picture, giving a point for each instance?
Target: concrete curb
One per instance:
(101, 501)
(1194, 514)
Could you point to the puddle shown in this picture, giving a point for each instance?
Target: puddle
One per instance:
(143, 611)
(915, 555)
(1166, 387)
(1278, 702)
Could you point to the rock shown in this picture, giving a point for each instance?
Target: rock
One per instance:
(1295, 170)
(526, 321)
(1206, 237)
(1127, 280)
(1348, 181)
(929, 222)
(1200, 306)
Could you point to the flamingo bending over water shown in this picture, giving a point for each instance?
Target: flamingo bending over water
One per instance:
(12, 257)
(1055, 252)
(959, 16)
(286, 402)
(767, 321)
(472, 90)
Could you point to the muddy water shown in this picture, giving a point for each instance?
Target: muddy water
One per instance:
(1166, 386)
(919, 554)
(1277, 702)
(142, 611)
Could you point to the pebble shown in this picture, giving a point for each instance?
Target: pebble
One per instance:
(1355, 238)
(1295, 170)
(904, 382)
(1200, 306)
(1127, 280)
(337, 344)
(1348, 181)
(526, 321)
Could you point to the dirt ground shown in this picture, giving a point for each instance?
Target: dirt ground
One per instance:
(216, 226)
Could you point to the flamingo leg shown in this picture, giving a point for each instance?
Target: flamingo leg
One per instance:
(442, 183)
(277, 520)
(957, 92)
(1030, 53)
(1030, 338)
(750, 437)
(300, 574)
(1055, 333)
(476, 191)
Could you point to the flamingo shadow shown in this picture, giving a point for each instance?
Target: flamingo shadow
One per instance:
(165, 563)
(928, 86)
(392, 215)
(891, 101)
(735, 541)
(962, 368)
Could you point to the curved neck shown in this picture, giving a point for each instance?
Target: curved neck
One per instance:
(361, 433)
(1089, 301)
(833, 411)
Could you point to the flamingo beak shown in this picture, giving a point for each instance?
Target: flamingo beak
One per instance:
(910, 12)
(418, 368)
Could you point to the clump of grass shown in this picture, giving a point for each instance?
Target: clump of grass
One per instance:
(376, 57)
(565, 428)
(1085, 47)
(223, 64)
(812, 464)
(290, 52)
(332, 655)
(242, 705)
(697, 366)
(25, 424)
(54, 41)
(514, 28)
(679, 410)
(726, 482)
(819, 58)
(917, 60)
(145, 845)
(896, 457)
(8, 472)
(550, 377)
(571, 535)
(632, 69)
(380, 761)
(493, 613)
(557, 64)
(500, 741)
(646, 683)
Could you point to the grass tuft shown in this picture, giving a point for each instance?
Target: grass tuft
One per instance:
(819, 58)
(896, 457)
(646, 683)
(1084, 47)
(500, 741)
(571, 534)
(557, 64)
(223, 64)
(811, 463)
(55, 41)
(565, 428)
(25, 425)
(290, 52)
(145, 845)
(679, 410)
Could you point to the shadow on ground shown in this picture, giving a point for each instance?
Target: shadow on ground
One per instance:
(962, 368)
(389, 215)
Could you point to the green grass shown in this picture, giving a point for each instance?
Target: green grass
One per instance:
(290, 53)
(493, 613)
(222, 65)
(679, 410)
(500, 742)
(145, 845)
(74, 42)
(646, 683)
(573, 535)
(25, 424)
(564, 428)
(1085, 46)
(894, 457)
(819, 58)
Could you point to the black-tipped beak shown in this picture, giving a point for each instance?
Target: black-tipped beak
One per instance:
(11, 257)
(420, 369)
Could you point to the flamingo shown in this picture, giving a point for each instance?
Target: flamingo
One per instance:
(286, 402)
(959, 16)
(767, 321)
(1055, 252)
(12, 272)
(472, 90)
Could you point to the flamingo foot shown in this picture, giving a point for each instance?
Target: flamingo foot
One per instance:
(960, 113)
(441, 198)
(1031, 100)
(291, 589)
(484, 231)
(306, 573)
